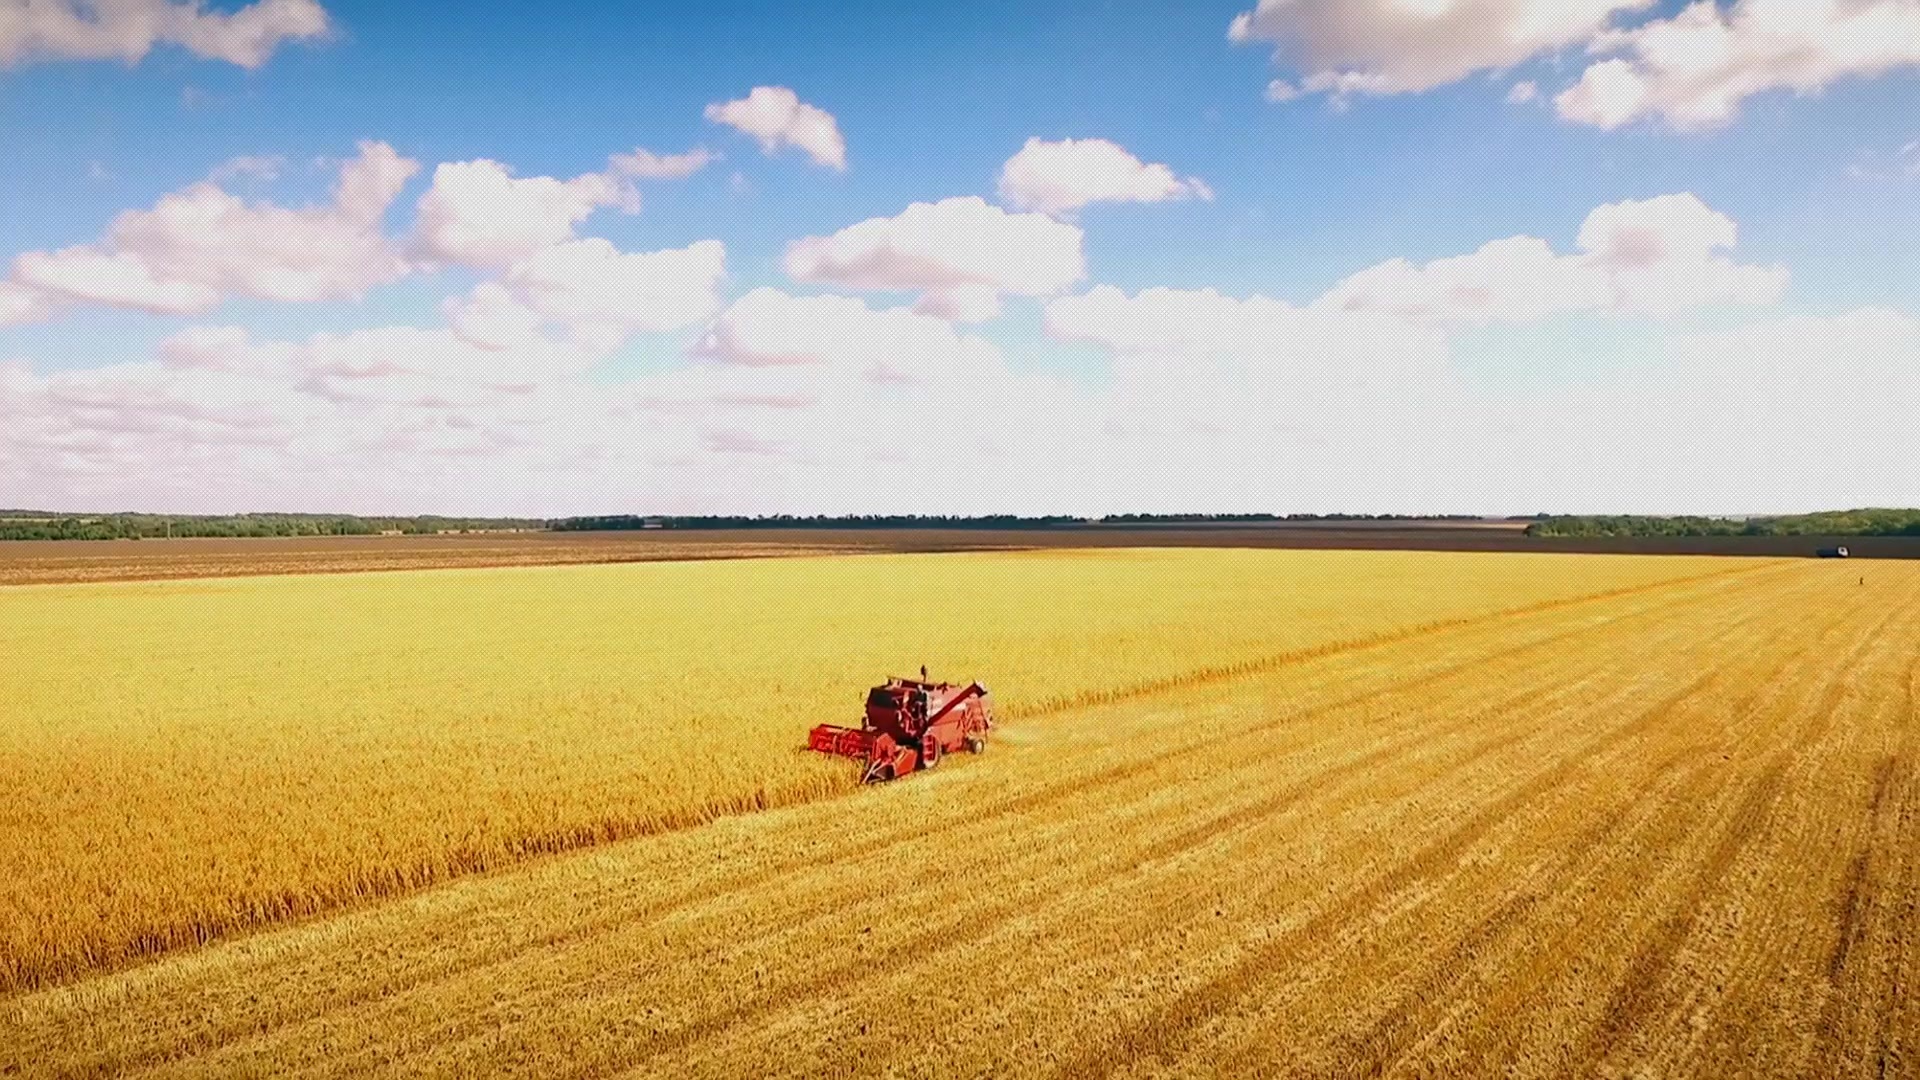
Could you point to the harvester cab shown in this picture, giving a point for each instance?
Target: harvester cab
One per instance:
(909, 725)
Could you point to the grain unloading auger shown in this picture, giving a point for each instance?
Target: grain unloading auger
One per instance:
(910, 724)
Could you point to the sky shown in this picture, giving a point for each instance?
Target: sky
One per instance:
(1292, 256)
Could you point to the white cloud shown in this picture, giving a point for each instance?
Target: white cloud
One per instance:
(1695, 69)
(599, 295)
(646, 165)
(257, 166)
(837, 342)
(955, 252)
(795, 403)
(1870, 356)
(118, 279)
(1199, 346)
(796, 395)
(128, 29)
(777, 117)
(492, 318)
(1523, 92)
(19, 304)
(1692, 70)
(479, 214)
(595, 288)
(1654, 257)
(200, 245)
(1346, 47)
(1060, 177)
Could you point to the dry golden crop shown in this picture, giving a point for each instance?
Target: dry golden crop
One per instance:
(186, 759)
(1667, 831)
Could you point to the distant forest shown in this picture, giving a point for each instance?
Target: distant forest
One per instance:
(52, 525)
(1868, 522)
(42, 525)
(46, 525)
(617, 522)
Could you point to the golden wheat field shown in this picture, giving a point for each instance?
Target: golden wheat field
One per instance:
(1249, 812)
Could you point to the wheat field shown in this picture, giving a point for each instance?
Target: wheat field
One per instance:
(187, 759)
(1267, 813)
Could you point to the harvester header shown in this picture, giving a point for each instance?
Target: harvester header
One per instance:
(909, 725)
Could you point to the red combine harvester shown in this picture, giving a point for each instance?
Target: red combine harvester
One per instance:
(910, 725)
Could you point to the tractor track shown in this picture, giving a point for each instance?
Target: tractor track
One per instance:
(1023, 803)
(1377, 1049)
(1889, 815)
(1634, 999)
(1154, 1039)
(1640, 983)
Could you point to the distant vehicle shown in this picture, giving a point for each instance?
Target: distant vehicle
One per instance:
(1832, 553)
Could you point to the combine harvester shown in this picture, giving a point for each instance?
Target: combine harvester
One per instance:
(910, 725)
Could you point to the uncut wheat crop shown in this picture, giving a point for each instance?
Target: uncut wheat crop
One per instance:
(189, 759)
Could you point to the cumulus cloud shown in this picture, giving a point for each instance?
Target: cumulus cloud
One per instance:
(647, 165)
(1869, 356)
(594, 294)
(128, 29)
(1280, 91)
(200, 245)
(1659, 256)
(796, 395)
(961, 254)
(256, 166)
(19, 304)
(1346, 47)
(1060, 177)
(777, 117)
(1181, 345)
(1692, 69)
(478, 213)
(795, 403)
(1695, 69)
(1523, 92)
(836, 347)
(491, 317)
(591, 285)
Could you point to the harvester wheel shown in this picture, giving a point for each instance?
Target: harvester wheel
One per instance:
(930, 754)
(976, 745)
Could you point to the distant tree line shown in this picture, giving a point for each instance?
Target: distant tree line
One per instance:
(41, 525)
(617, 522)
(44, 525)
(1168, 519)
(1867, 522)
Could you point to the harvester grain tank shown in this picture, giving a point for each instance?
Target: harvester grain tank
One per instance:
(908, 726)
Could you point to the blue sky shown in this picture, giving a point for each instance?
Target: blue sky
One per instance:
(1818, 174)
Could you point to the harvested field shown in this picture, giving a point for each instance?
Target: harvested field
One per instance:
(1651, 821)
(72, 561)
